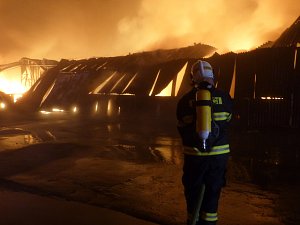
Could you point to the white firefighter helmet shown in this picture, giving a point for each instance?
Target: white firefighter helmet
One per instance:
(200, 70)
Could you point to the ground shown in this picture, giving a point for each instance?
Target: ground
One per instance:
(133, 169)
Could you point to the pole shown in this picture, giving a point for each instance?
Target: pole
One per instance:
(195, 215)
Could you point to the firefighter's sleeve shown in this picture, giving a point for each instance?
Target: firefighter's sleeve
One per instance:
(226, 115)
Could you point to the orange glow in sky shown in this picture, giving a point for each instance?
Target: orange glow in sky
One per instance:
(89, 28)
(97, 28)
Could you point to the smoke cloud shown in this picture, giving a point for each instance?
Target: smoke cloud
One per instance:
(75, 29)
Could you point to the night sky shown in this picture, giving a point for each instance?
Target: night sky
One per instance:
(76, 29)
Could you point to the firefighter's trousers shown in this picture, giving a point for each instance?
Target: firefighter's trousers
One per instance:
(207, 170)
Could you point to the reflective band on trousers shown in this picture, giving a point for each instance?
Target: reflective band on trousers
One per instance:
(216, 150)
(209, 216)
(219, 116)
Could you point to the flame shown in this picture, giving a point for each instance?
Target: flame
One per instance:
(179, 78)
(241, 45)
(2, 105)
(232, 87)
(103, 84)
(167, 91)
(272, 98)
(150, 94)
(11, 87)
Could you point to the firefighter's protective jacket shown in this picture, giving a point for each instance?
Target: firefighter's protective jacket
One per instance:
(221, 115)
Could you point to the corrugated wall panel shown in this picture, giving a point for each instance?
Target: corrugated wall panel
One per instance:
(224, 70)
(264, 69)
(245, 75)
(168, 72)
(186, 81)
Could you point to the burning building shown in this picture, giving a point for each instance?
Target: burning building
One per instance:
(264, 82)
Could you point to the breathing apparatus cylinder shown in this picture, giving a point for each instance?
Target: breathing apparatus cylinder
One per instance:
(203, 110)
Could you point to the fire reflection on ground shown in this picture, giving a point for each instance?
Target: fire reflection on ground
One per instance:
(144, 141)
(129, 162)
(167, 150)
(16, 140)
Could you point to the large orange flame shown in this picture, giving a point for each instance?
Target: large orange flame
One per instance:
(11, 87)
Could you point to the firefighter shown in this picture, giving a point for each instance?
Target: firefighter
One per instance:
(204, 160)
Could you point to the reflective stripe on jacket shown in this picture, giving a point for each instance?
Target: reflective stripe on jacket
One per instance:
(215, 150)
(221, 115)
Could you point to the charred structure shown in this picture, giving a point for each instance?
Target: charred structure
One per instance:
(264, 83)
(266, 87)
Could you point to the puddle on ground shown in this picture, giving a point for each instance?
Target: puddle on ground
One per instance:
(14, 138)
(17, 141)
(161, 149)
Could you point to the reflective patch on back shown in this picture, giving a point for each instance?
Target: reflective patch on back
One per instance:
(217, 100)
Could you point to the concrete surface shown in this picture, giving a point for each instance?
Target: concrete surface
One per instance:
(20, 208)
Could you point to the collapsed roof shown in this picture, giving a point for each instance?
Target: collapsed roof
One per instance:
(290, 37)
(254, 74)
